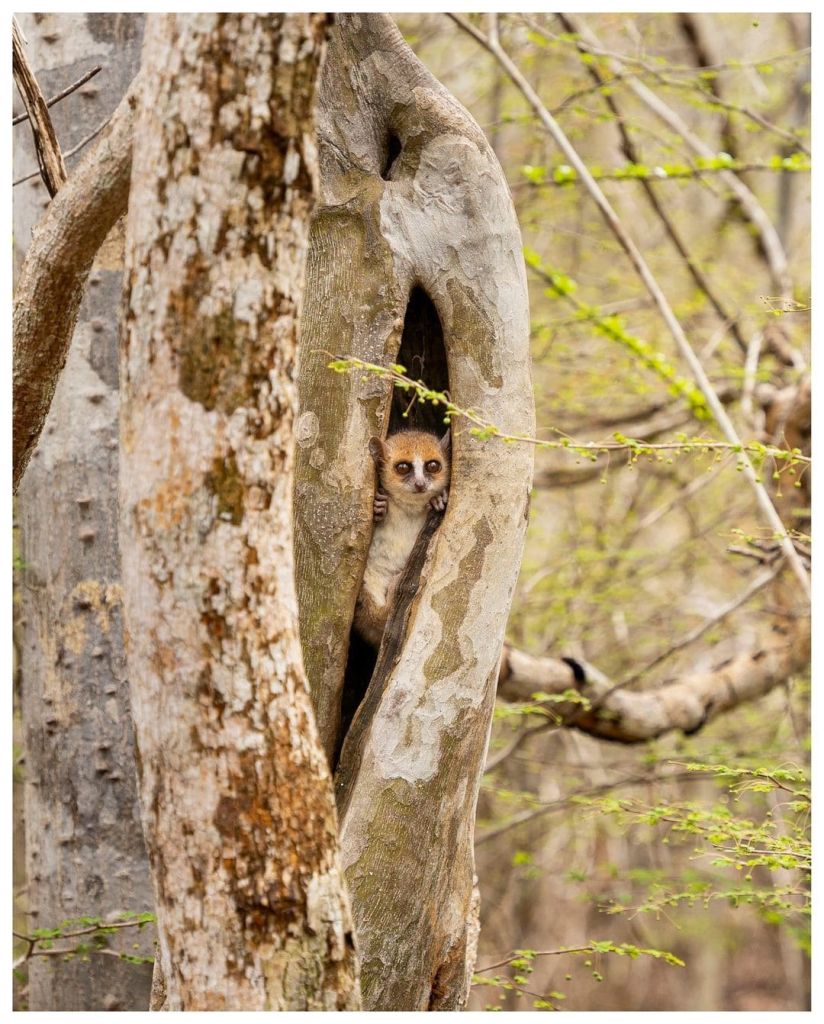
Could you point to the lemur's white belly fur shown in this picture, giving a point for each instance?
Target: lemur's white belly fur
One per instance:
(392, 543)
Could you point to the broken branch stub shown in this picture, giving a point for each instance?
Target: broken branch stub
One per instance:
(414, 253)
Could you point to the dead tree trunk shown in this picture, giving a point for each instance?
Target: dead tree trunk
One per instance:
(415, 257)
(84, 845)
(236, 797)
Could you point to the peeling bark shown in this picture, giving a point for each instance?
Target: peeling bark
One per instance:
(236, 797)
(414, 238)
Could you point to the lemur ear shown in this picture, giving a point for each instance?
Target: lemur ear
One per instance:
(446, 441)
(376, 450)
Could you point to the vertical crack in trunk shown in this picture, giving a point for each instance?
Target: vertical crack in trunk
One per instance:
(423, 354)
(414, 258)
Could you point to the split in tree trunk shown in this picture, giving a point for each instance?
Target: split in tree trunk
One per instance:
(415, 257)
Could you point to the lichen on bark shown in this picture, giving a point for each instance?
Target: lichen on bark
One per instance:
(235, 791)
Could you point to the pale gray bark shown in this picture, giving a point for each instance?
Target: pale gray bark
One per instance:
(65, 243)
(687, 703)
(235, 790)
(412, 197)
(84, 845)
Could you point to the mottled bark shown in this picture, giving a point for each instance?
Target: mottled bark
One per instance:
(235, 791)
(415, 238)
(84, 844)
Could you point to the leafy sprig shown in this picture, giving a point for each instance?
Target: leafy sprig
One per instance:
(564, 175)
(521, 965)
(84, 936)
(634, 449)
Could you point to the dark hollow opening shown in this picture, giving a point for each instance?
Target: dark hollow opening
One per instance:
(393, 151)
(423, 354)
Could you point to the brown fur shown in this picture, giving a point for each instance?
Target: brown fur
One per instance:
(402, 502)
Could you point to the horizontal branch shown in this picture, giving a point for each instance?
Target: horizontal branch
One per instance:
(642, 429)
(562, 175)
(688, 703)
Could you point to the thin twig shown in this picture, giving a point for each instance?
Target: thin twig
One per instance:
(757, 584)
(652, 286)
(572, 798)
(632, 154)
(693, 487)
(760, 556)
(545, 952)
(520, 738)
(750, 373)
(589, 449)
(662, 175)
(76, 149)
(63, 93)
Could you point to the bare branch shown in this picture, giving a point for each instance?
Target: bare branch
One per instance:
(632, 154)
(63, 92)
(556, 132)
(688, 703)
(54, 274)
(45, 140)
(750, 372)
(687, 492)
(514, 744)
(70, 153)
(695, 634)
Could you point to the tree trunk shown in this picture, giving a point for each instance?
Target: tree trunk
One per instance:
(84, 845)
(415, 257)
(235, 792)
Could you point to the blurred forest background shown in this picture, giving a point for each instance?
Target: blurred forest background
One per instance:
(684, 888)
(624, 562)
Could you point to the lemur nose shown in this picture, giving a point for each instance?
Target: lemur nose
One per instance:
(420, 486)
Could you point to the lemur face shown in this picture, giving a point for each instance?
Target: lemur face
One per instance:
(413, 465)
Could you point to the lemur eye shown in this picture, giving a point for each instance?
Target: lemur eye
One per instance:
(403, 467)
(433, 466)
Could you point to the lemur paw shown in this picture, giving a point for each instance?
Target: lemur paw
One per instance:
(381, 505)
(439, 501)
